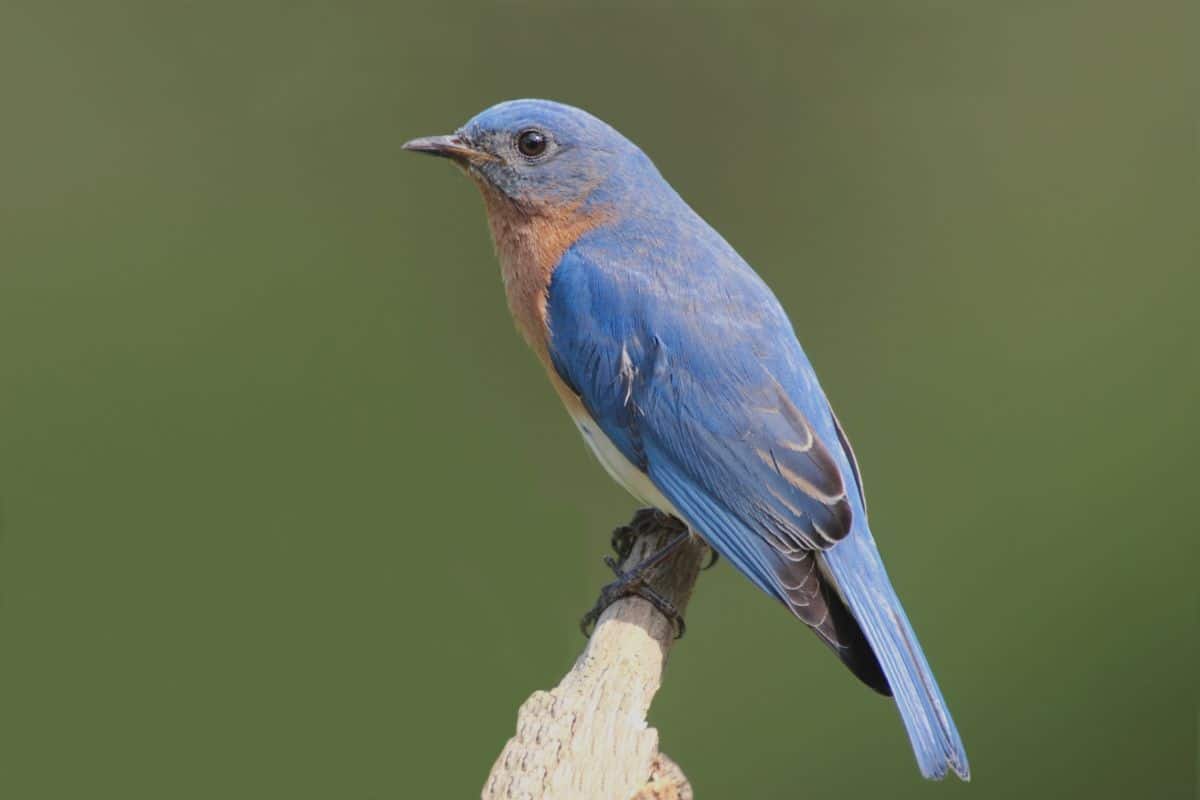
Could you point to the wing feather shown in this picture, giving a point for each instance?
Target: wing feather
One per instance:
(718, 434)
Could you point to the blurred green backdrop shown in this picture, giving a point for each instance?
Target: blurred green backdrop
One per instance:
(289, 511)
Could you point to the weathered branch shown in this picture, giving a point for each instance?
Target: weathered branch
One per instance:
(588, 738)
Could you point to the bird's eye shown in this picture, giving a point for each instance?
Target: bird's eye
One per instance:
(531, 143)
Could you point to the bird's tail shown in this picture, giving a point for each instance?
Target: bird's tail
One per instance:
(858, 571)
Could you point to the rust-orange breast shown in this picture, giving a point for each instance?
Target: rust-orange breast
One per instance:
(529, 245)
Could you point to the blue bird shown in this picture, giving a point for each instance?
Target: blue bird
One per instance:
(685, 377)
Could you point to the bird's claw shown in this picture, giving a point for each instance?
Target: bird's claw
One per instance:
(644, 520)
(635, 581)
(627, 584)
(625, 536)
(623, 539)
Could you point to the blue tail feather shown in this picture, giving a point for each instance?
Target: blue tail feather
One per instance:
(855, 566)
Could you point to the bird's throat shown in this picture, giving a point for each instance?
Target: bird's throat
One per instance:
(530, 245)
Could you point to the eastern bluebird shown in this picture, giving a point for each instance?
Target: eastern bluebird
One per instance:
(682, 372)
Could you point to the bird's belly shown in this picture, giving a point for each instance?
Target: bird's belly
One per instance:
(619, 468)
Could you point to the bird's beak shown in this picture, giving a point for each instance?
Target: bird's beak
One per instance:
(453, 147)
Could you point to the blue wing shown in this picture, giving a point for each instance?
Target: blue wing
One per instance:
(689, 365)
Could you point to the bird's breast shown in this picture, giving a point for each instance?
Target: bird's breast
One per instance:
(529, 245)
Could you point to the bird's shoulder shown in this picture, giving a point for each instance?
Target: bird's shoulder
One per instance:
(673, 273)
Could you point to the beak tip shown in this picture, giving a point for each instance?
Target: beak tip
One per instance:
(452, 147)
(422, 144)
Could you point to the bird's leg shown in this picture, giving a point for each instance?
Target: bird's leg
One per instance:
(634, 580)
(645, 521)
(624, 537)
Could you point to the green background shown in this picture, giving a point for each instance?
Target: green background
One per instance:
(289, 511)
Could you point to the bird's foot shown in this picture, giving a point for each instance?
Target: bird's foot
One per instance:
(635, 581)
(645, 521)
(623, 539)
(631, 584)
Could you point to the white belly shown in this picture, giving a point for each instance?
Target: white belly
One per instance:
(636, 482)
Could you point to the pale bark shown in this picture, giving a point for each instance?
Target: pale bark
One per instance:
(587, 738)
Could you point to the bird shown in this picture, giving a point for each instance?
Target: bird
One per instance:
(685, 377)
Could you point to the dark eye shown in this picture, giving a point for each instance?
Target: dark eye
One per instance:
(531, 143)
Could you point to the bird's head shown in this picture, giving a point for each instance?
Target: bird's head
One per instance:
(542, 156)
